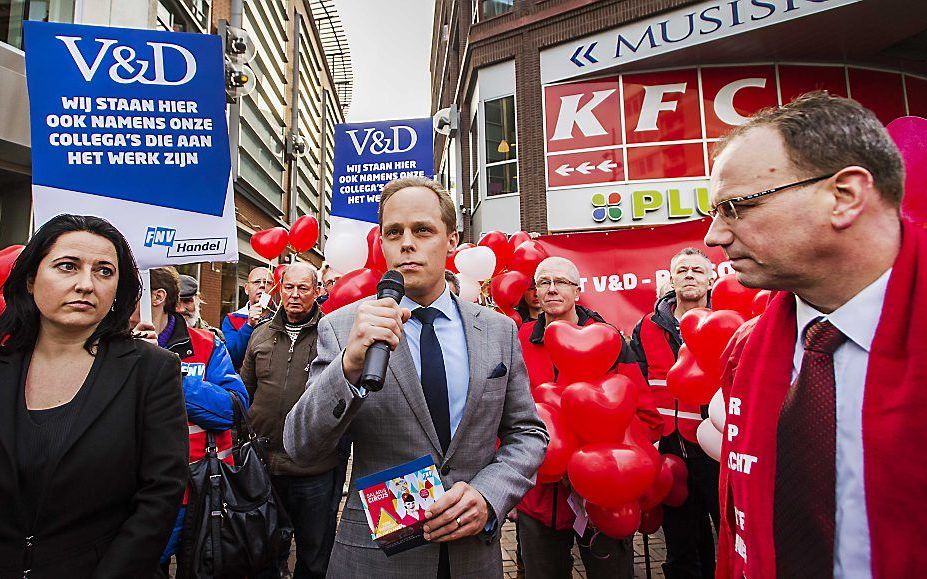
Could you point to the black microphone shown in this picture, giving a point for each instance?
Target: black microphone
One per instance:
(391, 286)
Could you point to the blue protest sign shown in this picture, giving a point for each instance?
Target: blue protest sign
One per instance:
(370, 155)
(136, 115)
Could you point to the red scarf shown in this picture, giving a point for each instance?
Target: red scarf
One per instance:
(894, 427)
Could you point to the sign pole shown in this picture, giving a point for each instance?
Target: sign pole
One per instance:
(144, 305)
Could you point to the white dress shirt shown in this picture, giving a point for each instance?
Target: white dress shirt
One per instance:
(857, 319)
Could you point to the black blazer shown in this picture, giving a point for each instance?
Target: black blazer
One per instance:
(112, 498)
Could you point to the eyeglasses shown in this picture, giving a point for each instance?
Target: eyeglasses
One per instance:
(727, 209)
(561, 284)
(302, 289)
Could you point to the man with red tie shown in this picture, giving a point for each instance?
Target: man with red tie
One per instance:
(826, 392)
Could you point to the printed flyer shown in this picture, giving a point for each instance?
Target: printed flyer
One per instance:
(395, 501)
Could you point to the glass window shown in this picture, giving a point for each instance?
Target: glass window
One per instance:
(474, 161)
(14, 12)
(501, 150)
(502, 179)
(500, 129)
(229, 290)
(490, 8)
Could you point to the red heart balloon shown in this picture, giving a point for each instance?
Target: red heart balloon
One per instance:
(527, 256)
(618, 522)
(651, 520)
(352, 286)
(910, 134)
(688, 382)
(8, 257)
(561, 447)
(548, 393)
(518, 238)
(600, 411)
(304, 233)
(582, 354)
(269, 243)
(514, 316)
(611, 475)
(507, 289)
(499, 244)
(729, 294)
(661, 487)
(680, 491)
(709, 338)
(640, 436)
(690, 321)
(376, 261)
(760, 301)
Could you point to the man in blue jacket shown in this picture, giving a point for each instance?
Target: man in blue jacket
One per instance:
(209, 379)
(238, 325)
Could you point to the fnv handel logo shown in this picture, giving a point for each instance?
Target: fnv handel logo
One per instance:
(166, 237)
(128, 68)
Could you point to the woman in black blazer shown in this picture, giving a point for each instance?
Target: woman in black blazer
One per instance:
(93, 433)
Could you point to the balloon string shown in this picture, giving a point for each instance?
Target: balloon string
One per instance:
(591, 544)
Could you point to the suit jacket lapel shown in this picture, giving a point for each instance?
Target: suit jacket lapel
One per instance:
(120, 356)
(10, 382)
(403, 368)
(476, 333)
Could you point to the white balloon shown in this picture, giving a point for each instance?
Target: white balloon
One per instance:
(716, 412)
(709, 439)
(477, 263)
(469, 288)
(346, 252)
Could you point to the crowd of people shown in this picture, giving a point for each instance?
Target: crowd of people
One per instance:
(101, 414)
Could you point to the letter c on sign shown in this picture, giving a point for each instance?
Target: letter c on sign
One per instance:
(724, 102)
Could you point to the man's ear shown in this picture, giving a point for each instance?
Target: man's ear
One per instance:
(452, 241)
(158, 296)
(853, 189)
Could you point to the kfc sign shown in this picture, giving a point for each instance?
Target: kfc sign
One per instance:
(610, 135)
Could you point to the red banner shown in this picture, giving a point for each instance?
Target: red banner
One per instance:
(620, 270)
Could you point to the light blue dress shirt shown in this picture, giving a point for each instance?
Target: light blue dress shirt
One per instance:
(453, 339)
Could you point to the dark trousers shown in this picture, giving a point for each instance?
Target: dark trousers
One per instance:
(547, 552)
(308, 500)
(690, 547)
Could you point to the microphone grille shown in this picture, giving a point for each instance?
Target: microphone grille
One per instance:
(391, 280)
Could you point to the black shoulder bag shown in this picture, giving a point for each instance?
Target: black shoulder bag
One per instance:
(235, 524)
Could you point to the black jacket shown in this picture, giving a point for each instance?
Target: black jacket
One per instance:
(111, 499)
(664, 316)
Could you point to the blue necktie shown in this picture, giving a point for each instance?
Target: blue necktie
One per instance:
(434, 379)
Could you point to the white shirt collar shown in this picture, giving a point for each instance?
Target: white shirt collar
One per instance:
(444, 303)
(857, 319)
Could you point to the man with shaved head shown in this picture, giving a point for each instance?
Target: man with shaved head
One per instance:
(238, 325)
(275, 371)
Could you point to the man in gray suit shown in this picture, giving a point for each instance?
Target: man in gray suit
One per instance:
(456, 384)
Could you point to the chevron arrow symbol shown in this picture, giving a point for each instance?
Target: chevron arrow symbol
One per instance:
(564, 170)
(585, 168)
(606, 165)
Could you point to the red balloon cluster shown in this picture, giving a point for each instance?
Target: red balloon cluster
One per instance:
(595, 438)
(517, 257)
(695, 376)
(8, 257)
(270, 243)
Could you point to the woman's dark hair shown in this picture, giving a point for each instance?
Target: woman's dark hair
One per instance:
(20, 321)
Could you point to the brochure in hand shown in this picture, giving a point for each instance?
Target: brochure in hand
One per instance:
(395, 501)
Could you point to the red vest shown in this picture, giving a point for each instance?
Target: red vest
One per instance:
(660, 359)
(202, 343)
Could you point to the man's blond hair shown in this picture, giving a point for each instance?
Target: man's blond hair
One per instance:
(448, 211)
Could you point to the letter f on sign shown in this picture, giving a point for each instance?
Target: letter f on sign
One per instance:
(571, 114)
(654, 103)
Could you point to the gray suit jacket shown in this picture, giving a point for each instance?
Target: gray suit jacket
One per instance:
(393, 426)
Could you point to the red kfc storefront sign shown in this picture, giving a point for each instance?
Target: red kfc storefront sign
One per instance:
(634, 149)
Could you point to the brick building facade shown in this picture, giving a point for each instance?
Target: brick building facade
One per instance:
(492, 55)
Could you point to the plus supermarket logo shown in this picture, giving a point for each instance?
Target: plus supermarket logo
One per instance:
(606, 207)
